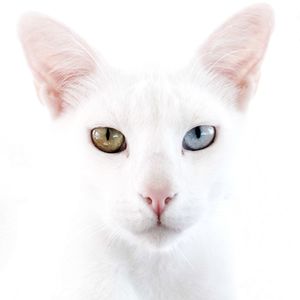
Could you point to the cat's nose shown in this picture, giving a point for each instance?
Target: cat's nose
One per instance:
(158, 199)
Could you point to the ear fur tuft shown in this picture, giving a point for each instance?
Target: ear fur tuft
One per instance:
(58, 58)
(235, 50)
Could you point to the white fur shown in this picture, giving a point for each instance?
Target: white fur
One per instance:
(90, 235)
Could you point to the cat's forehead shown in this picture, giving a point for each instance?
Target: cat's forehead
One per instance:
(152, 100)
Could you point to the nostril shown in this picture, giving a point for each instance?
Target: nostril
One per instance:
(148, 200)
(167, 200)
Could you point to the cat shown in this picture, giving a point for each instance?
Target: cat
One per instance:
(144, 167)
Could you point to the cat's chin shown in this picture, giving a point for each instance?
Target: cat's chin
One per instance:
(159, 237)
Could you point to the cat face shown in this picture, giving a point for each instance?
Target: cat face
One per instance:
(153, 150)
(154, 115)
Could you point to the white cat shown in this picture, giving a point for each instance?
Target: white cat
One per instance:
(144, 165)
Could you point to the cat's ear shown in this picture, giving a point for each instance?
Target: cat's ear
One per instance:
(235, 51)
(59, 59)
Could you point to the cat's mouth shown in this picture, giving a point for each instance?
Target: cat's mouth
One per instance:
(160, 234)
(163, 226)
(160, 226)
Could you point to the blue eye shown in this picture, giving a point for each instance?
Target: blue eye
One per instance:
(199, 137)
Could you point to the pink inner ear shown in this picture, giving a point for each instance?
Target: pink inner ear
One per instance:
(58, 58)
(236, 49)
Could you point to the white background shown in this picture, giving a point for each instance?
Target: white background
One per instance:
(166, 34)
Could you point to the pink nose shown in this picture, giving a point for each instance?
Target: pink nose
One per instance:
(158, 199)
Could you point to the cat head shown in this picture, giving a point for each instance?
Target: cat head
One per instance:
(153, 150)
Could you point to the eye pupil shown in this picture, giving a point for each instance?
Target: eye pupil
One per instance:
(107, 133)
(198, 132)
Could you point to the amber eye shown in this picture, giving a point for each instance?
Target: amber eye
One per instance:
(108, 139)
